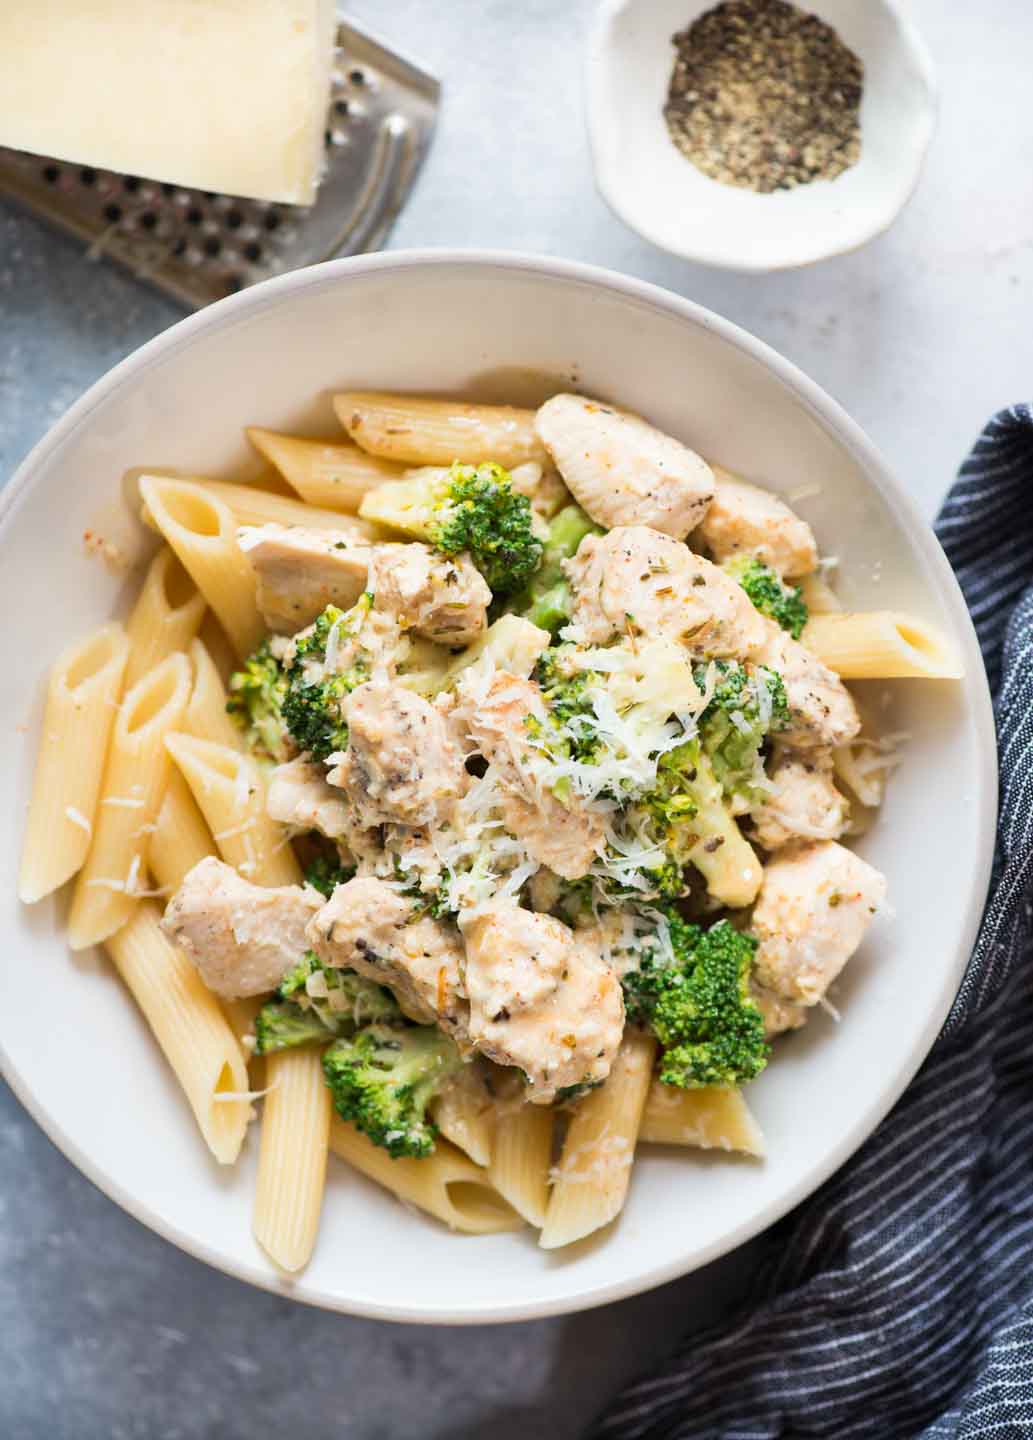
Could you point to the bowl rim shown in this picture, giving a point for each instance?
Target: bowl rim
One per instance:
(831, 416)
(607, 173)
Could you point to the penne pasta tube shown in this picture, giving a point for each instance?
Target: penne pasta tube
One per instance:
(181, 839)
(202, 531)
(251, 506)
(213, 637)
(711, 1118)
(465, 1113)
(323, 473)
(110, 882)
(207, 717)
(881, 645)
(447, 1184)
(189, 1026)
(82, 700)
(591, 1180)
(417, 430)
(166, 617)
(292, 1157)
(521, 1159)
(230, 792)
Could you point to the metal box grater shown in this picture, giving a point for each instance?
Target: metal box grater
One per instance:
(199, 247)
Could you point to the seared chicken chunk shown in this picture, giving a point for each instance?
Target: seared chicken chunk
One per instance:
(743, 519)
(622, 470)
(815, 905)
(565, 836)
(636, 581)
(401, 765)
(243, 938)
(300, 572)
(367, 926)
(541, 998)
(803, 803)
(821, 710)
(443, 600)
(298, 795)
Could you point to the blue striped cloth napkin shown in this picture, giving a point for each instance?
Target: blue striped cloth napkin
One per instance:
(898, 1300)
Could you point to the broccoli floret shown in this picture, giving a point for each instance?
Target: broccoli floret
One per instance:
(280, 1025)
(471, 507)
(569, 731)
(771, 595)
(546, 601)
(699, 1007)
(257, 693)
(383, 1079)
(312, 704)
(746, 707)
(337, 1004)
(326, 872)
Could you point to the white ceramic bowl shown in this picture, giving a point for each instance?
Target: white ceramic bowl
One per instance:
(659, 193)
(71, 1043)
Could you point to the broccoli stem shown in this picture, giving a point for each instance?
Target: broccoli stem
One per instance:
(546, 601)
(721, 853)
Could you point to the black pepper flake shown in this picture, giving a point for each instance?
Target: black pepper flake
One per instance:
(765, 96)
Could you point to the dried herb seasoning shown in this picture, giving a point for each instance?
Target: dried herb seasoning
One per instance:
(765, 96)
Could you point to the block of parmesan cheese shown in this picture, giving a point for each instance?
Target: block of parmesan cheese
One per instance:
(223, 95)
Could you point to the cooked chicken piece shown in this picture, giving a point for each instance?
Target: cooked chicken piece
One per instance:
(300, 572)
(401, 765)
(298, 795)
(367, 926)
(779, 1015)
(815, 905)
(821, 709)
(743, 519)
(623, 471)
(541, 998)
(243, 938)
(443, 600)
(636, 581)
(565, 836)
(803, 803)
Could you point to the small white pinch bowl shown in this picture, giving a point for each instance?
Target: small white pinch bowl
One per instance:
(493, 325)
(658, 192)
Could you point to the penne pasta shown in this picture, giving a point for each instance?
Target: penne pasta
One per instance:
(261, 507)
(323, 473)
(202, 531)
(166, 617)
(417, 430)
(114, 875)
(521, 1159)
(207, 717)
(881, 645)
(181, 839)
(230, 792)
(292, 1157)
(213, 638)
(591, 1180)
(82, 700)
(711, 1118)
(187, 1023)
(447, 1184)
(465, 1113)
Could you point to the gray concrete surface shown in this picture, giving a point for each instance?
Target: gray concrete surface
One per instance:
(106, 1330)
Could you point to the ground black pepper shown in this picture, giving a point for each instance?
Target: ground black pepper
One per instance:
(765, 96)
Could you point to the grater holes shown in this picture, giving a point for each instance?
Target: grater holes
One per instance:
(113, 213)
(131, 184)
(50, 174)
(212, 245)
(272, 220)
(88, 176)
(357, 76)
(194, 216)
(234, 219)
(148, 220)
(253, 252)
